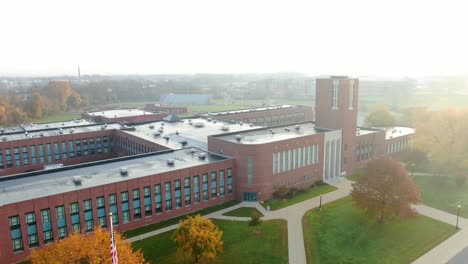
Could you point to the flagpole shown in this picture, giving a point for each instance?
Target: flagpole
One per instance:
(113, 247)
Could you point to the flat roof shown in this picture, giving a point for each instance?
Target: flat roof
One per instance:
(267, 135)
(119, 113)
(48, 132)
(27, 186)
(274, 107)
(364, 131)
(194, 132)
(396, 131)
(45, 126)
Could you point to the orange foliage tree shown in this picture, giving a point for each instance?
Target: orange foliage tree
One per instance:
(92, 248)
(199, 240)
(384, 189)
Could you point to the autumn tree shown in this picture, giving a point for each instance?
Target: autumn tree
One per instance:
(198, 240)
(441, 135)
(380, 116)
(92, 248)
(384, 189)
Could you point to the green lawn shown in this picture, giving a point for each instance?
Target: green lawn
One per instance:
(244, 212)
(442, 193)
(353, 177)
(342, 233)
(308, 193)
(241, 245)
(175, 220)
(67, 116)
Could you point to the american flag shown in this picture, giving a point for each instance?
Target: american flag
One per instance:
(113, 246)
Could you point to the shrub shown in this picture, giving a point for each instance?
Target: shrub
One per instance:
(319, 183)
(283, 191)
(293, 192)
(255, 220)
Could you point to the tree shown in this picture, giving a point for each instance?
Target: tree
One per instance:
(74, 100)
(198, 240)
(384, 189)
(92, 248)
(442, 136)
(380, 116)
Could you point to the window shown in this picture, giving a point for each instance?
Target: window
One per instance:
(33, 155)
(15, 232)
(78, 147)
(64, 150)
(187, 193)
(221, 183)
(147, 200)
(41, 154)
(178, 194)
(136, 204)
(32, 229)
(49, 152)
(101, 211)
(157, 198)
(75, 217)
(99, 145)
(336, 84)
(92, 146)
(249, 172)
(125, 207)
(88, 212)
(196, 189)
(17, 157)
(168, 193)
(61, 221)
(2, 166)
(71, 150)
(25, 155)
(85, 148)
(205, 187)
(229, 172)
(56, 151)
(213, 185)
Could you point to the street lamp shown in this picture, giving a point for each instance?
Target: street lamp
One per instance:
(320, 206)
(458, 215)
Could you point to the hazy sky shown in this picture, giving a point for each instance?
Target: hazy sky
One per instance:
(389, 38)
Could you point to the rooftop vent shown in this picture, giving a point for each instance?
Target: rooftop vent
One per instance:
(41, 134)
(166, 137)
(124, 171)
(170, 162)
(298, 127)
(77, 180)
(241, 123)
(192, 150)
(157, 134)
(151, 126)
(251, 125)
(2, 130)
(72, 131)
(272, 132)
(60, 131)
(209, 119)
(199, 124)
(214, 121)
(183, 142)
(177, 132)
(26, 134)
(225, 128)
(238, 138)
(103, 127)
(287, 129)
(202, 156)
(4, 138)
(162, 124)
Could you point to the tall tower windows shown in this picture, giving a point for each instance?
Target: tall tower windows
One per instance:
(336, 83)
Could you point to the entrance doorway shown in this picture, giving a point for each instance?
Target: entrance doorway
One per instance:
(250, 196)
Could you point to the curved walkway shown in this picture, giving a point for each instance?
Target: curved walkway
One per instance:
(293, 215)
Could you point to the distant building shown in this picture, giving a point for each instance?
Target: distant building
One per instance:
(123, 115)
(177, 110)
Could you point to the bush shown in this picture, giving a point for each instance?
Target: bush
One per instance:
(293, 192)
(319, 183)
(283, 191)
(255, 220)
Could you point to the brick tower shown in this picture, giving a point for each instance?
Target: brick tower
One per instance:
(336, 107)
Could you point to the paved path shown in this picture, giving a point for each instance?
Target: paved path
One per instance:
(293, 215)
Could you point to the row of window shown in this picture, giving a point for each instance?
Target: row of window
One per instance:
(277, 120)
(51, 152)
(129, 147)
(364, 151)
(295, 158)
(397, 146)
(209, 186)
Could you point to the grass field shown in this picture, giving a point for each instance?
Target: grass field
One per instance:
(308, 193)
(241, 245)
(67, 116)
(341, 233)
(244, 212)
(442, 193)
(175, 220)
